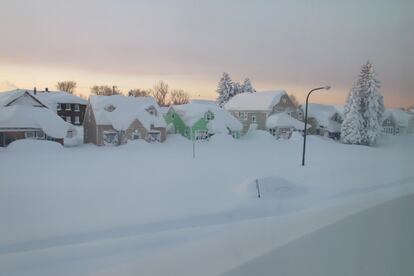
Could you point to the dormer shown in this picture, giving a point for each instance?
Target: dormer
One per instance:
(110, 108)
(152, 110)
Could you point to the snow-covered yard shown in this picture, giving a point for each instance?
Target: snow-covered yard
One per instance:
(151, 209)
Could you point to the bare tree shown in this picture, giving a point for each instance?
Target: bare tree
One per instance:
(67, 86)
(160, 93)
(178, 96)
(294, 100)
(104, 90)
(139, 92)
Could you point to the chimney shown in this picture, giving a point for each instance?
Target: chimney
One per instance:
(46, 89)
(34, 90)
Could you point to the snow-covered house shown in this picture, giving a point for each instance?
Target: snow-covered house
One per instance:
(397, 121)
(325, 120)
(69, 107)
(201, 120)
(253, 109)
(282, 125)
(113, 120)
(22, 116)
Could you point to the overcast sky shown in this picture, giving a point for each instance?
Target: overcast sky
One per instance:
(291, 45)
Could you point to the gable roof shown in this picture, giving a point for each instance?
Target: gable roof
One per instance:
(49, 99)
(20, 116)
(10, 97)
(260, 101)
(284, 120)
(192, 112)
(126, 111)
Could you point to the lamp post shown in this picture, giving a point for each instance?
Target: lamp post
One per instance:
(306, 120)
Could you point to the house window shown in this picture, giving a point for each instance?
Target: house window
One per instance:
(58, 107)
(40, 134)
(254, 119)
(77, 120)
(77, 109)
(68, 119)
(244, 116)
(30, 134)
(69, 134)
(67, 106)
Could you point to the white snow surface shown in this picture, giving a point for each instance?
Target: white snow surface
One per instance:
(19, 116)
(127, 110)
(258, 101)
(223, 120)
(284, 120)
(92, 210)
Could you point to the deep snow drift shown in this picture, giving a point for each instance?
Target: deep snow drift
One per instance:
(89, 209)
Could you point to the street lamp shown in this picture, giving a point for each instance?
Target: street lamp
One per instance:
(306, 120)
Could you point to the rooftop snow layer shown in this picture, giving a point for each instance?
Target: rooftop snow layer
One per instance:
(126, 111)
(18, 116)
(7, 97)
(284, 120)
(50, 99)
(223, 120)
(260, 101)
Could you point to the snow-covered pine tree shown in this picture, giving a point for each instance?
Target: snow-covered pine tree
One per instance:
(237, 89)
(224, 89)
(364, 110)
(353, 127)
(247, 86)
(374, 103)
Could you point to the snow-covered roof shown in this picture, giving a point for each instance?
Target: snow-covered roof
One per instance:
(49, 99)
(10, 96)
(258, 101)
(192, 112)
(284, 120)
(401, 117)
(19, 116)
(323, 114)
(203, 101)
(125, 111)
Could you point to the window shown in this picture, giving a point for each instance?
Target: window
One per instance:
(244, 116)
(77, 109)
(69, 134)
(40, 134)
(77, 120)
(254, 119)
(68, 119)
(67, 106)
(30, 134)
(58, 107)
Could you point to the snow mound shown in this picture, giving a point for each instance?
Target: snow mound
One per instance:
(258, 135)
(296, 136)
(25, 145)
(221, 139)
(269, 187)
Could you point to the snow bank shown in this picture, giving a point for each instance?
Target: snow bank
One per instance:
(258, 135)
(30, 146)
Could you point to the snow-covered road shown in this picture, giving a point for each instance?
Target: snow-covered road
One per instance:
(204, 221)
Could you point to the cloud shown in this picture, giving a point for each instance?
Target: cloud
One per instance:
(6, 85)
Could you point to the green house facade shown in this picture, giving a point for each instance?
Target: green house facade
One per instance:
(201, 121)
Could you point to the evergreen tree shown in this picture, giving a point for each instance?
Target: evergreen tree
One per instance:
(247, 86)
(363, 110)
(225, 89)
(374, 104)
(353, 129)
